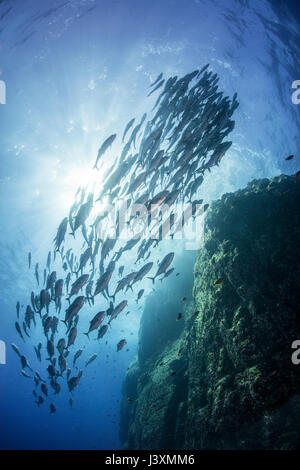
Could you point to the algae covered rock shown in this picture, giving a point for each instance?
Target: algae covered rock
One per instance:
(238, 388)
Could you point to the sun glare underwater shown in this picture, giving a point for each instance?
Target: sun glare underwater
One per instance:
(109, 104)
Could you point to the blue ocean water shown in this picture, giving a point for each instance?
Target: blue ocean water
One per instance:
(76, 72)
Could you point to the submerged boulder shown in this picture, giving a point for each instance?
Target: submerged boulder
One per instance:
(235, 385)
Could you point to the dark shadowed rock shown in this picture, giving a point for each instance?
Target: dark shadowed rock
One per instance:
(224, 379)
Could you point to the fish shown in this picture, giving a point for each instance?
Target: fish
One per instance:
(72, 383)
(37, 273)
(74, 309)
(54, 325)
(51, 280)
(38, 351)
(43, 299)
(25, 329)
(58, 289)
(40, 401)
(25, 374)
(163, 266)
(219, 281)
(62, 364)
(102, 331)
(96, 322)
(77, 355)
(179, 316)
(84, 233)
(29, 260)
(106, 144)
(140, 293)
(128, 126)
(157, 201)
(68, 278)
(129, 245)
(25, 363)
(86, 255)
(50, 349)
(61, 345)
(18, 328)
(123, 283)
(91, 359)
(39, 377)
(18, 309)
(121, 344)
(52, 408)
(44, 389)
(71, 402)
(32, 299)
(290, 157)
(103, 282)
(72, 336)
(16, 349)
(78, 285)
(117, 310)
(61, 233)
(167, 274)
(160, 84)
(82, 214)
(49, 260)
(47, 325)
(157, 79)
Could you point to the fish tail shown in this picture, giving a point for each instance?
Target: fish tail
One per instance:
(152, 279)
(87, 334)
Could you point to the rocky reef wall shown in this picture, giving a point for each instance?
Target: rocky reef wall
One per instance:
(222, 376)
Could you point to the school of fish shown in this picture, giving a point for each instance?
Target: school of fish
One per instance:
(162, 164)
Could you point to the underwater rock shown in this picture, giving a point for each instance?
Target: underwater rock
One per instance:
(224, 379)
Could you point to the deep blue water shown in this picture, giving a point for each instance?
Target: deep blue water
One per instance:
(77, 71)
